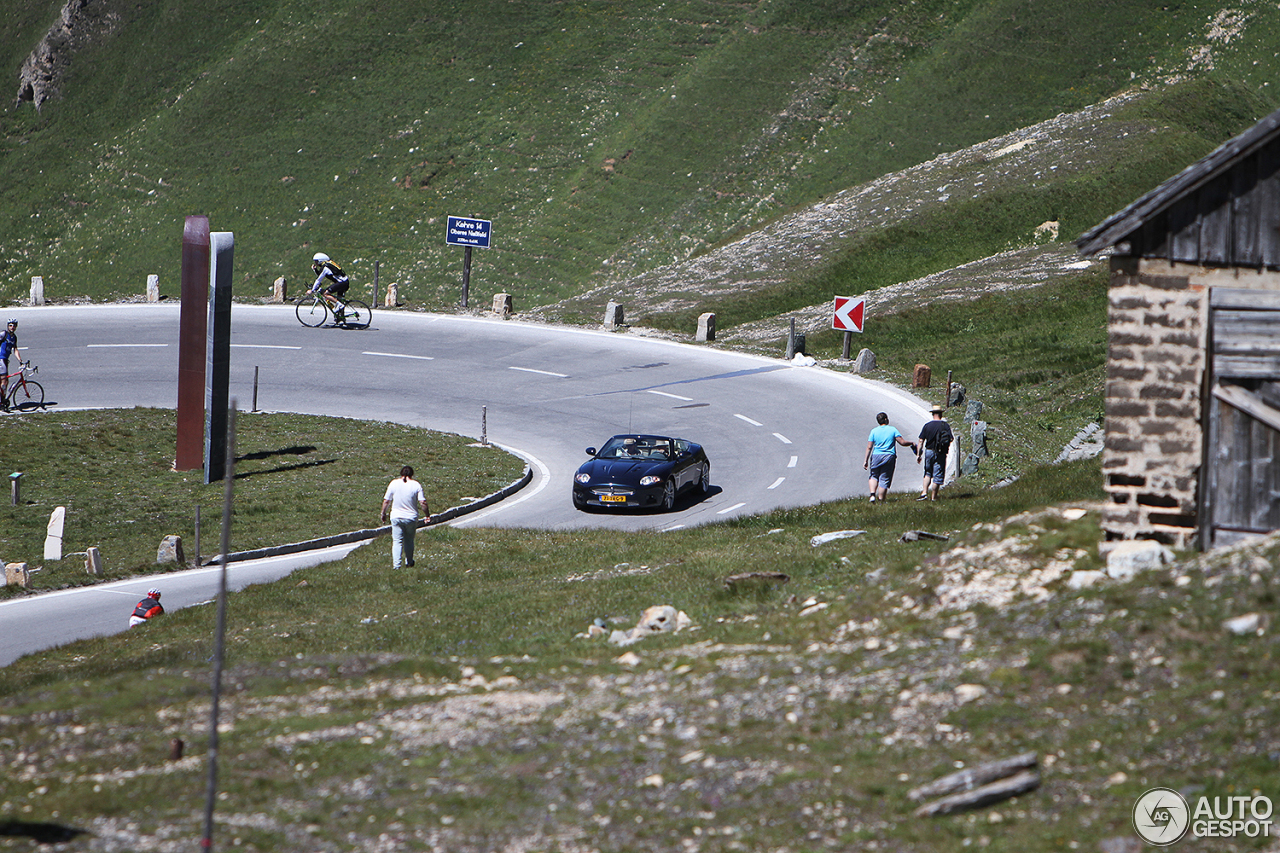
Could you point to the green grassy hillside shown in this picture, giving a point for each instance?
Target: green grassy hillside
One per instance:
(603, 139)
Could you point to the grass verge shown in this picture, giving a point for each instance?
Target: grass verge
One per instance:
(452, 707)
(297, 477)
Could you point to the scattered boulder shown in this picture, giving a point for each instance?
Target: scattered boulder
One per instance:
(1126, 559)
(824, 538)
(1083, 579)
(978, 439)
(659, 619)
(17, 574)
(1249, 623)
(755, 579)
(170, 551)
(917, 535)
(865, 362)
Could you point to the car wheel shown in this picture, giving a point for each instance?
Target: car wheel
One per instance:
(704, 479)
(669, 496)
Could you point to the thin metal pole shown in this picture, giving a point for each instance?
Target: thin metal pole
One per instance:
(211, 793)
(946, 403)
(197, 535)
(255, 387)
(484, 425)
(376, 265)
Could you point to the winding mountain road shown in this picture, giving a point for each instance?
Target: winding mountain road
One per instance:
(777, 435)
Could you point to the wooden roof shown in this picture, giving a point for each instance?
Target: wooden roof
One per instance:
(1141, 216)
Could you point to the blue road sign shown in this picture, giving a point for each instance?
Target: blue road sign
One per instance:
(462, 231)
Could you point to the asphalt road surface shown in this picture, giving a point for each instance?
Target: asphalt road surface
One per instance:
(777, 435)
(38, 622)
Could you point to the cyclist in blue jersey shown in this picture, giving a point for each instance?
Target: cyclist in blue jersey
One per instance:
(8, 347)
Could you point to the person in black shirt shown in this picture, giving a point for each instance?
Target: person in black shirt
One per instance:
(935, 441)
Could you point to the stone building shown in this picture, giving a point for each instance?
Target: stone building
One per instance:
(1193, 363)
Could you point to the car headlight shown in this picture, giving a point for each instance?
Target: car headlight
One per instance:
(650, 480)
(583, 478)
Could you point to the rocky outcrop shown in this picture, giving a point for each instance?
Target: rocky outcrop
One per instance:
(77, 25)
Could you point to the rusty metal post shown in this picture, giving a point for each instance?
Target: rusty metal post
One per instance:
(191, 344)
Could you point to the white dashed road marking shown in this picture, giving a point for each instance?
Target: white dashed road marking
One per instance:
(400, 355)
(543, 372)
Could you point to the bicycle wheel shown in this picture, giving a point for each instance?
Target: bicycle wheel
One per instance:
(26, 397)
(312, 312)
(356, 315)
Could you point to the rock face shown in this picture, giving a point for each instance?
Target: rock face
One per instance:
(77, 25)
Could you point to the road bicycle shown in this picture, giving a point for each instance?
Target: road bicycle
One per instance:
(314, 310)
(22, 393)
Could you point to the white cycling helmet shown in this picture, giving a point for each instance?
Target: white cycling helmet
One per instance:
(320, 258)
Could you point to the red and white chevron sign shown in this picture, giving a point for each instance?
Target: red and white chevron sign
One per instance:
(848, 314)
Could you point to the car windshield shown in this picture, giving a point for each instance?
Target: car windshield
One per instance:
(640, 449)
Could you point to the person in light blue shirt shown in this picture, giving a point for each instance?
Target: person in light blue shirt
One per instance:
(882, 457)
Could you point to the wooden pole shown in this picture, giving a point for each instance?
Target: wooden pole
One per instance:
(848, 342)
(973, 777)
(466, 275)
(1002, 789)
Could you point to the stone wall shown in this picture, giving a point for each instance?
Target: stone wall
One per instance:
(1156, 360)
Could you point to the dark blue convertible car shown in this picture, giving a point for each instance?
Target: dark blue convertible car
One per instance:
(641, 471)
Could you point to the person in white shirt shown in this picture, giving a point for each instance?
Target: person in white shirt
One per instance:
(400, 506)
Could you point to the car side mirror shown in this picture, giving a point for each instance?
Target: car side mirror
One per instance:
(591, 451)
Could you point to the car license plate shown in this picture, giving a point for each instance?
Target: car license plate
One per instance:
(618, 499)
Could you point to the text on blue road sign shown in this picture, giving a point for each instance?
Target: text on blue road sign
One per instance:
(462, 231)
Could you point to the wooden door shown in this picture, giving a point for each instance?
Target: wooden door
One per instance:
(1242, 493)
